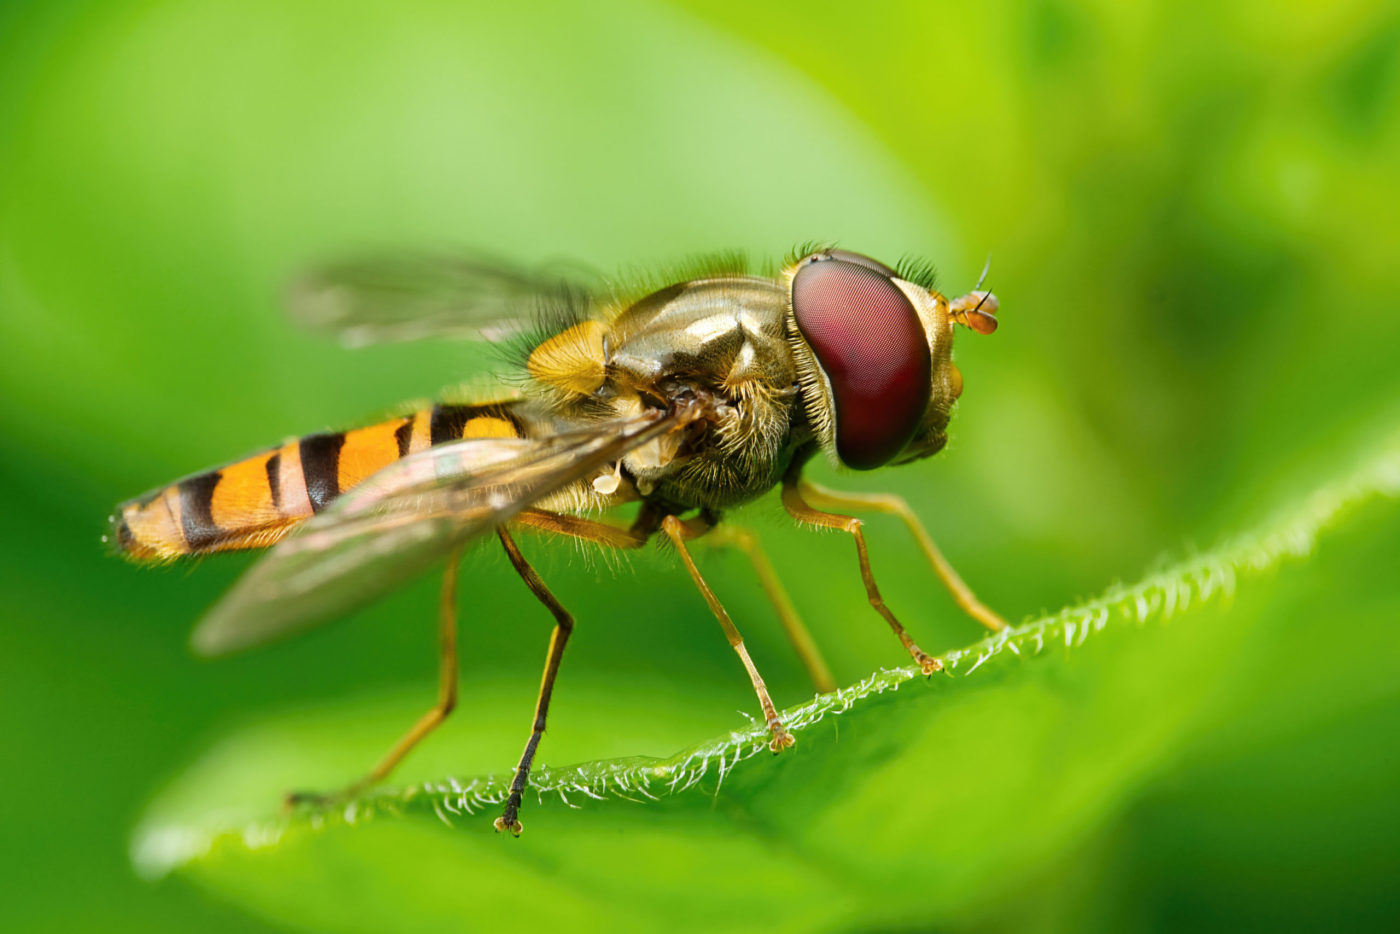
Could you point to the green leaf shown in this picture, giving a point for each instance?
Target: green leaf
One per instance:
(906, 799)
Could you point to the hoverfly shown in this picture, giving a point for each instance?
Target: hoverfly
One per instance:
(688, 398)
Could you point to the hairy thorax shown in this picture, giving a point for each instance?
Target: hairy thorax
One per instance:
(721, 338)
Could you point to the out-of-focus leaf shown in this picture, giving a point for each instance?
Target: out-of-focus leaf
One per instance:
(905, 799)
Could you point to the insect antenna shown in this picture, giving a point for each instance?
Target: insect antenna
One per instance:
(963, 312)
(986, 268)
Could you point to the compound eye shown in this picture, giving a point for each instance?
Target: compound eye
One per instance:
(846, 256)
(870, 343)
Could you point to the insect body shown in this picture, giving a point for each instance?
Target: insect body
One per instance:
(690, 399)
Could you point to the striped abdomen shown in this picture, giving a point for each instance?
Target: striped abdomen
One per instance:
(256, 501)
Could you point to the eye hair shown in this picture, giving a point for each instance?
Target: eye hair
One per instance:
(921, 272)
(806, 249)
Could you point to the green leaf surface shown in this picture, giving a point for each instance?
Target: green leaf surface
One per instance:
(905, 798)
(1191, 219)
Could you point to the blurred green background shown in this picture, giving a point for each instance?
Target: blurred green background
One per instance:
(1190, 209)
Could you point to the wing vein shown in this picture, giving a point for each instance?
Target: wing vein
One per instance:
(405, 518)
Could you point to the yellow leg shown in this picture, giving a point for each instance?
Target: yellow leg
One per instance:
(447, 698)
(797, 633)
(798, 508)
(896, 506)
(678, 531)
(590, 530)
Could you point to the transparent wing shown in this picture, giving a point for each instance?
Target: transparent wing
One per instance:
(409, 296)
(403, 519)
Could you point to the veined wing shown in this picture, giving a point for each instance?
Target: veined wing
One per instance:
(406, 517)
(408, 296)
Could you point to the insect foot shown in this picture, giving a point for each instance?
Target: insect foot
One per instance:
(782, 739)
(512, 825)
(928, 664)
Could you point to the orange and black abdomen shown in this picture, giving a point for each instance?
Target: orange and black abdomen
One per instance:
(254, 502)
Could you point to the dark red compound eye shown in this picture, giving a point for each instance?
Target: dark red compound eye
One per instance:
(869, 342)
(846, 256)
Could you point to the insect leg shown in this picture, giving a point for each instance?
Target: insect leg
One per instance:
(563, 626)
(447, 695)
(798, 508)
(797, 633)
(591, 530)
(896, 506)
(678, 531)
